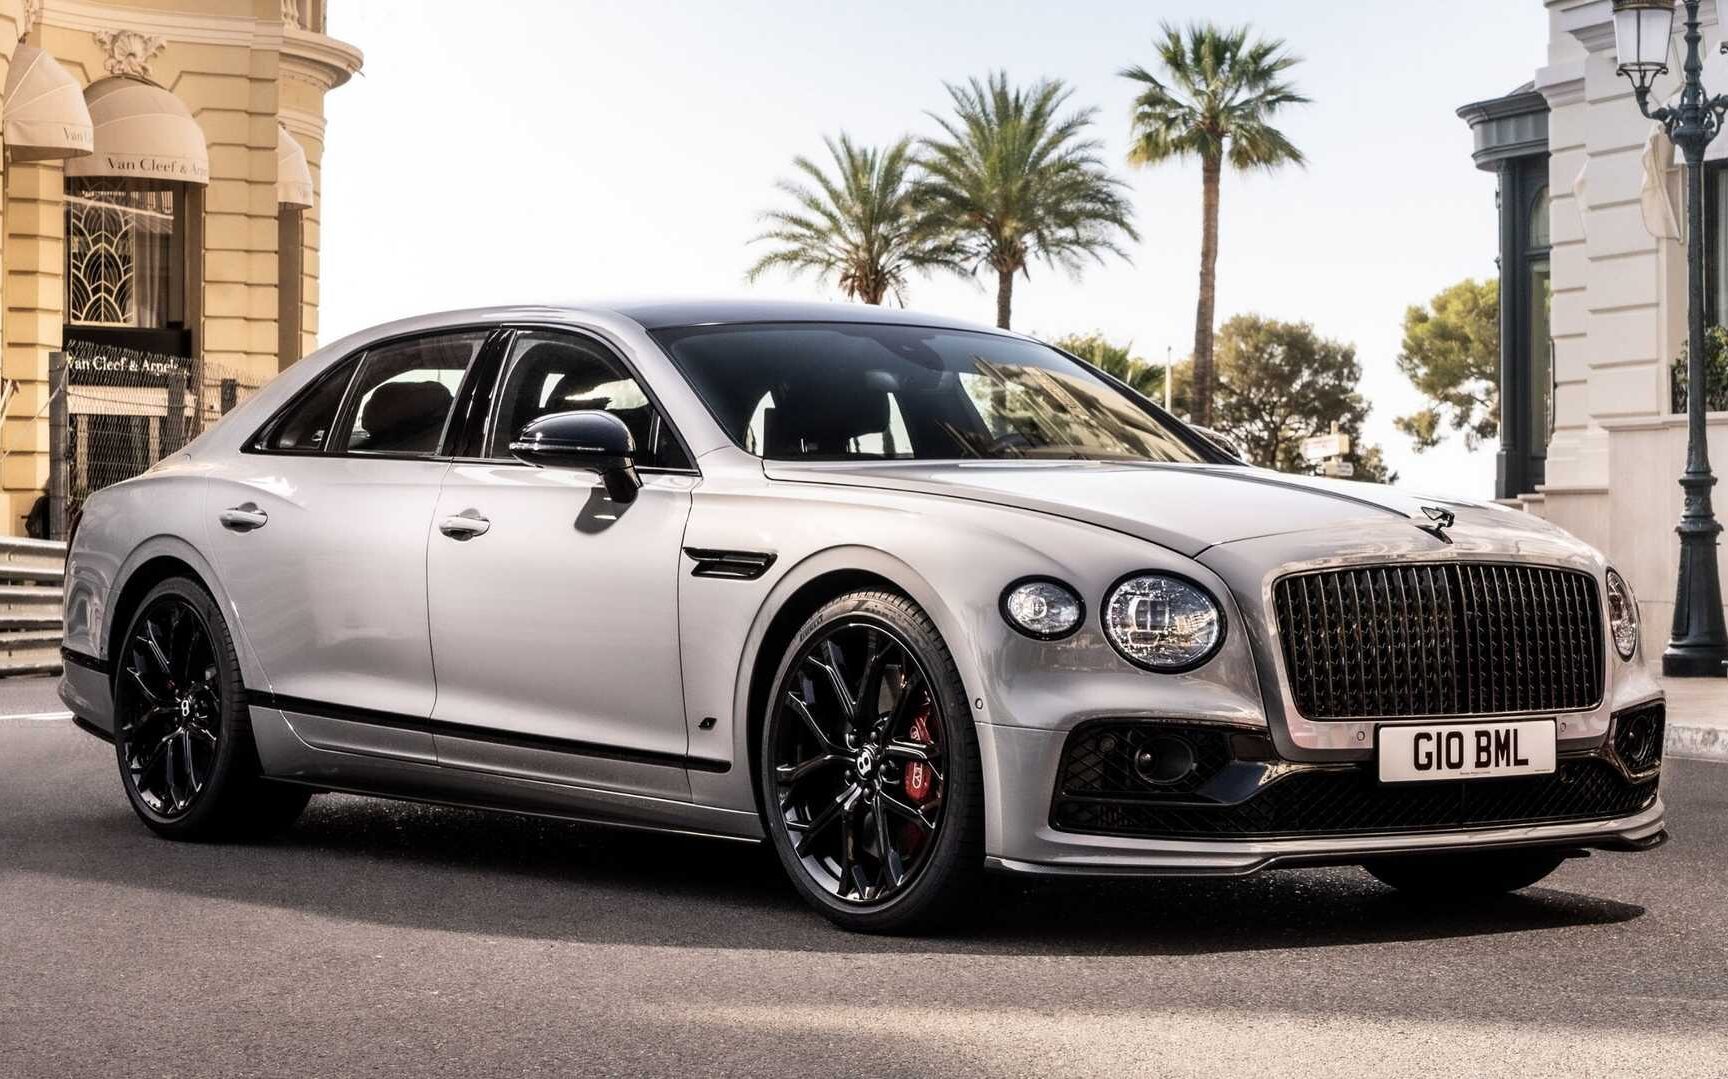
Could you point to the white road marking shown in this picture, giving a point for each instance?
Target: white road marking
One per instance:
(40, 717)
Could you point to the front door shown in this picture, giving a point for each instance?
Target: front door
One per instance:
(321, 537)
(554, 611)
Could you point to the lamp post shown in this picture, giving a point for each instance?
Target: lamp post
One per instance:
(1698, 643)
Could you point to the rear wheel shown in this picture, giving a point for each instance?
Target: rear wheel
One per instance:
(869, 772)
(1464, 876)
(182, 735)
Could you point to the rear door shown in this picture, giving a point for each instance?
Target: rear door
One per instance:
(320, 532)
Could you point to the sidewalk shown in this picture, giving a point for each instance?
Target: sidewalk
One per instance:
(1697, 717)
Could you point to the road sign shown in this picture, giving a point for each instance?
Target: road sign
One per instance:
(1320, 447)
(1339, 470)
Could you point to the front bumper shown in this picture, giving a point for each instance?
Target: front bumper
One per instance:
(1023, 835)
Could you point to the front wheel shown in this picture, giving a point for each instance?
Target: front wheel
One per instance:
(1476, 875)
(869, 773)
(182, 735)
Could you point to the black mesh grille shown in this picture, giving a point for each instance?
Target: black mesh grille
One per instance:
(1638, 735)
(1443, 639)
(1100, 759)
(1353, 801)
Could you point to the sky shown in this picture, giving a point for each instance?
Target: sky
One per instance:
(565, 150)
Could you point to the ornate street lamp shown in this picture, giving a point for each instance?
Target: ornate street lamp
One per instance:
(1698, 644)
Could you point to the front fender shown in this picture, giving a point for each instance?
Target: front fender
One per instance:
(953, 558)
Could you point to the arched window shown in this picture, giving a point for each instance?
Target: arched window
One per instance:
(1541, 233)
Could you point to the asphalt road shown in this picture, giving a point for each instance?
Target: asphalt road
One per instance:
(383, 939)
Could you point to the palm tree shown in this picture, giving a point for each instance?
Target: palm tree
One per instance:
(860, 227)
(1216, 101)
(1017, 181)
(1117, 361)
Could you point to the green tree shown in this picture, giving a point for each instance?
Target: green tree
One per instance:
(859, 227)
(1279, 383)
(1214, 100)
(1451, 354)
(1017, 180)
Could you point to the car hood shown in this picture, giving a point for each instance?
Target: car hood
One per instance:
(1186, 508)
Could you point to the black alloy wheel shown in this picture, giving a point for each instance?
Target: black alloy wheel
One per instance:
(172, 727)
(182, 735)
(869, 766)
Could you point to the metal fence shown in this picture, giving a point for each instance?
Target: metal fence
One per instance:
(113, 412)
(30, 584)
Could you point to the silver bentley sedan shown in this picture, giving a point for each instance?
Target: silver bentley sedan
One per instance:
(906, 598)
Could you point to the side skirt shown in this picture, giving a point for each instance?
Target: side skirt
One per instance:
(290, 758)
(396, 721)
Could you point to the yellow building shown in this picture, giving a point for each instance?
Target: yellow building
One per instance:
(160, 215)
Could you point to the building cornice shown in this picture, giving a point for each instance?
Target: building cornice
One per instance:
(318, 58)
(1591, 22)
(1562, 84)
(1509, 127)
(310, 57)
(175, 26)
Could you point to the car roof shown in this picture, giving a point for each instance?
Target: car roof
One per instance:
(666, 314)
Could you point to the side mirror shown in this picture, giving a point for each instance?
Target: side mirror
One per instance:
(591, 440)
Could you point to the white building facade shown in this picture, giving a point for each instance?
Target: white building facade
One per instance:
(1593, 289)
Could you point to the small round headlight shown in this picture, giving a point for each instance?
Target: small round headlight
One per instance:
(1622, 615)
(1161, 622)
(1042, 608)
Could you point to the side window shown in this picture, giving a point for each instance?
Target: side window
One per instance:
(305, 427)
(404, 391)
(551, 372)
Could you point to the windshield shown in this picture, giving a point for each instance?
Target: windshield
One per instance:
(852, 391)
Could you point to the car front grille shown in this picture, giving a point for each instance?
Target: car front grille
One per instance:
(1352, 801)
(1440, 639)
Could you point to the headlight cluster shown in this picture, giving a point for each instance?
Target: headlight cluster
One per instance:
(1154, 620)
(1622, 615)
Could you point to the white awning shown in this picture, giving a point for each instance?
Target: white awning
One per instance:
(143, 132)
(293, 175)
(45, 116)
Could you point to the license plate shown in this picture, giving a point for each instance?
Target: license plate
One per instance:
(1466, 751)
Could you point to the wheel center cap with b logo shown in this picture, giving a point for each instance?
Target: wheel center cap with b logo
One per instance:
(866, 762)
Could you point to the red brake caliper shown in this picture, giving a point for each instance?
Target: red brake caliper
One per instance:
(920, 781)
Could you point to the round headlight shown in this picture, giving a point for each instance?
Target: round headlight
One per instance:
(1622, 615)
(1042, 608)
(1162, 623)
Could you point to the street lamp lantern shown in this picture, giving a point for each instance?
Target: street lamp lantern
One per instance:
(1642, 30)
(1698, 642)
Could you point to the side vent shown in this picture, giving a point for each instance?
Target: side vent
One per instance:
(731, 565)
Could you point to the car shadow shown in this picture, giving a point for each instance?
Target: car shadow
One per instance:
(408, 865)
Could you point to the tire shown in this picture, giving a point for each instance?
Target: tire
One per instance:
(908, 849)
(1465, 876)
(182, 734)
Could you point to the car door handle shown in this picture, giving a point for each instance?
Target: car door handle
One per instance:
(244, 518)
(465, 525)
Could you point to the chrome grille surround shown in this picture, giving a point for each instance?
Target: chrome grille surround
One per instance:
(1440, 639)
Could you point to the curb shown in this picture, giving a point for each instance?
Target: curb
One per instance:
(1696, 742)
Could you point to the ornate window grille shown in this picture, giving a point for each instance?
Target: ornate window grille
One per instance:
(119, 253)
